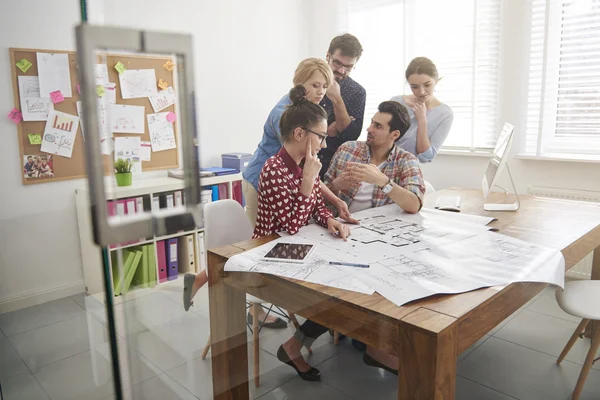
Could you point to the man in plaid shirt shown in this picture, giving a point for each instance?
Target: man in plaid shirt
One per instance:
(377, 172)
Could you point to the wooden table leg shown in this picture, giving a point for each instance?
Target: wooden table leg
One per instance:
(228, 333)
(594, 326)
(427, 363)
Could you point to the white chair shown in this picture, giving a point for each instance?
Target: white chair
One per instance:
(225, 222)
(429, 188)
(581, 299)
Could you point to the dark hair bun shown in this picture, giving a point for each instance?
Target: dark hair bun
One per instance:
(298, 94)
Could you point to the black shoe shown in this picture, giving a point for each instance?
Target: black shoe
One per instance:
(360, 346)
(278, 324)
(312, 375)
(371, 362)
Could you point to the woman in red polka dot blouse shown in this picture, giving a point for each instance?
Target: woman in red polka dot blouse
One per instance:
(289, 194)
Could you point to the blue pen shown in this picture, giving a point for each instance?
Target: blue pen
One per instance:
(349, 264)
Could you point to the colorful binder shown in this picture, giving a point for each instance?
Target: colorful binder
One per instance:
(152, 267)
(215, 192)
(131, 270)
(161, 257)
(187, 256)
(178, 198)
(171, 258)
(223, 191)
(201, 252)
(119, 279)
(141, 276)
(237, 192)
(220, 170)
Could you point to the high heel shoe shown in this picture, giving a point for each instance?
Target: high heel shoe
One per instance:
(312, 375)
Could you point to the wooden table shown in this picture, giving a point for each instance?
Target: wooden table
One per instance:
(428, 334)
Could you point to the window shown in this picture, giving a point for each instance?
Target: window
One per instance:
(563, 113)
(461, 37)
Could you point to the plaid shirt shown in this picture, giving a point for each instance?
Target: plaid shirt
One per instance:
(401, 167)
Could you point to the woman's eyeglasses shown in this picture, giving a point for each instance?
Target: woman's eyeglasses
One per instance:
(323, 136)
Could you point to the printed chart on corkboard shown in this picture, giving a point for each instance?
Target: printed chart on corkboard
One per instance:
(136, 106)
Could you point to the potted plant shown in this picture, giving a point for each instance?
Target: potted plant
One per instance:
(123, 172)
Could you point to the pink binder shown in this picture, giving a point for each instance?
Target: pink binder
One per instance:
(237, 192)
(162, 261)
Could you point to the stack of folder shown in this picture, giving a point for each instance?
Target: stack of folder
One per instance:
(139, 269)
(175, 256)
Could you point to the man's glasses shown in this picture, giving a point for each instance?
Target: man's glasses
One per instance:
(322, 136)
(337, 64)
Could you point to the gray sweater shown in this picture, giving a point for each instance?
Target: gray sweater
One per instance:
(439, 121)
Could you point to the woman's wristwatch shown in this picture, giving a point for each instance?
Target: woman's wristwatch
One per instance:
(387, 188)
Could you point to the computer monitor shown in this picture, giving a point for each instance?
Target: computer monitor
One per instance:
(497, 164)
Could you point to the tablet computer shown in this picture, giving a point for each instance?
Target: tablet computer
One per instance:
(289, 252)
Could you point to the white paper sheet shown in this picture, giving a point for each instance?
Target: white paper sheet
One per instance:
(164, 99)
(106, 137)
(101, 73)
(110, 92)
(136, 83)
(461, 217)
(146, 151)
(316, 270)
(126, 119)
(59, 134)
(33, 107)
(54, 74)
(409, 261)
(80, 114)
(128, 148)
(161, 131)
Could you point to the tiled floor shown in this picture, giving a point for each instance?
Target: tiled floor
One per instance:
(60, 350)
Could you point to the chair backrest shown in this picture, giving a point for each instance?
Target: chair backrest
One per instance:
(429, 188)
(225, 222)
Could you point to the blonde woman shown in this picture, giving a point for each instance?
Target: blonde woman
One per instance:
(316, 76)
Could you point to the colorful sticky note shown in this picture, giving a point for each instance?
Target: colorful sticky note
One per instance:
(162, 84)
(57, 97)
(34, 138)
(171, 117)
(15, 115)
(100, 90)
(169, 66)
(24, 65)
(120, 67)
(78, 89)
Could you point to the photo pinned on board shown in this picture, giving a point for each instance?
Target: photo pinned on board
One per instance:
(38, 166)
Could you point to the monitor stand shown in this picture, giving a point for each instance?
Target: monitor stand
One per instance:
(505, 207)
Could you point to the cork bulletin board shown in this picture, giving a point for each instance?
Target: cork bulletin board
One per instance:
(64, 168)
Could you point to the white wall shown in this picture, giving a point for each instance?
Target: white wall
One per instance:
(245, 56)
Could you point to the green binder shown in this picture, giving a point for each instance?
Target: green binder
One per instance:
(129, 273)
(118, 279)
(151, 265)
(140, 278)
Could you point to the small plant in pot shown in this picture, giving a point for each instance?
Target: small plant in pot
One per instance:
(123, 172)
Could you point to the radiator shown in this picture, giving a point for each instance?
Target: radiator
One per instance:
(583, 269)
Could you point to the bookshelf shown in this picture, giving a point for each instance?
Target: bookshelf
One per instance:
(91, 254)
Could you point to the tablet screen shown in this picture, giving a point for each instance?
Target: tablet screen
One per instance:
(289, 251)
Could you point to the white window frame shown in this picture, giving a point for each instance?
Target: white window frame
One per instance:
(452, 149)
(547, 142)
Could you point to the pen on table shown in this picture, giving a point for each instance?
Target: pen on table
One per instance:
(349, 264)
